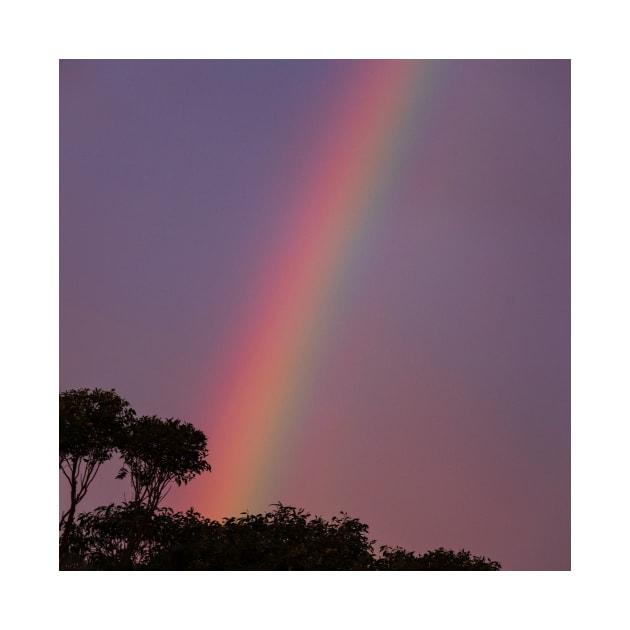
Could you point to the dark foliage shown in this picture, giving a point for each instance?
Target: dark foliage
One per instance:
(441, 559)
(285, 539)
(157, 453)
(91, 423)
(139, 535)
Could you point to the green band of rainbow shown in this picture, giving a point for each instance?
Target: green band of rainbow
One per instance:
(255, 419)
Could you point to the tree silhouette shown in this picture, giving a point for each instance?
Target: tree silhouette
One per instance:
(157, 453)
(398, 559)
(90, 425)
(284, 539)
(140, 535)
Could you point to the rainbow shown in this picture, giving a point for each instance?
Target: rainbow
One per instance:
(259, 405)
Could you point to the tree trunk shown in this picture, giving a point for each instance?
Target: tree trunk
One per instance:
(64, 544)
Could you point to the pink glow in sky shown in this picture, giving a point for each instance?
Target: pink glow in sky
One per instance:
(425, 388)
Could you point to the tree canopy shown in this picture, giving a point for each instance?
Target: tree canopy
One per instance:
(95, 424)
(283, 539)
(91, 423)
(157, 453)
(141, 535)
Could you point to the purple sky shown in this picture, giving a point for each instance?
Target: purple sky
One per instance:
(440, 412)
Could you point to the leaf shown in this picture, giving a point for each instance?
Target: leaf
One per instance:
(122, 473)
